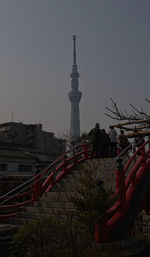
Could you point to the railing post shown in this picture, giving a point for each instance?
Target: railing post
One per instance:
(97, 234)
(142, 151)
(75, 157)
(85, 148)
(120, 184)
(64, 168)
(34, 194)
(101, 231)
(37, 187)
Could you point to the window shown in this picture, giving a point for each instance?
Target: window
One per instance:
(4, 128)
(3, 167)
(25, 167)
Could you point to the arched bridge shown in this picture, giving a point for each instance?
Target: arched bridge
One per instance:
(131, 196)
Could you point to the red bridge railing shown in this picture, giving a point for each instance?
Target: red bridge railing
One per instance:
(127, 181)
(42, 182)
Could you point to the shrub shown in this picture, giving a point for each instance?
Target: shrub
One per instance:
(74, 237)
(91, 202)
(50, 238)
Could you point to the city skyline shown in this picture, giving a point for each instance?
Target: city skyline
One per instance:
(36, 57)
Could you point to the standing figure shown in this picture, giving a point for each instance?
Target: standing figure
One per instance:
(95, 139)
(105, 144)
(139, 141)
(113, 141)
(123, 140)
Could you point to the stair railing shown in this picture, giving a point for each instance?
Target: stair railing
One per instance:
(51, 175)
(113, 161)
(102, 232)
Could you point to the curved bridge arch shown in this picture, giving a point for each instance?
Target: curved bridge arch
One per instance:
(132, 189)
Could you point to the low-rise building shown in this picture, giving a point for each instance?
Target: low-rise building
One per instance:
(23, 145)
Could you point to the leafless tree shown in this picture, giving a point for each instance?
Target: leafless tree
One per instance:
(66, 137)
(69, 143)
(135, 115)
(137, 121)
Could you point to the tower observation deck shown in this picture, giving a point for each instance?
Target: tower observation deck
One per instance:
(74, 97)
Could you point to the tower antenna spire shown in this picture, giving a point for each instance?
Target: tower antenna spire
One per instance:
(74, 97)
(74, 50)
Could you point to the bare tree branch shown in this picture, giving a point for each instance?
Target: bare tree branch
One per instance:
(141, 113)
(137, 116)
(148, 100)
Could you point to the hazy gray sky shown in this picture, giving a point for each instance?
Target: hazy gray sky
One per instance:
(113, 57)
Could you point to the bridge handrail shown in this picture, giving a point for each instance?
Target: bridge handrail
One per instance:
(113, 161)
(40, 174)
(135, 153)
(49, 169)
(121, 155)
(17, 195)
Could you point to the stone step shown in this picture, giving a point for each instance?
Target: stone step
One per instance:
(7, 230)
(52, 213)
(16, 221)
(73, 177)
(57, 203)
(19, 221)
(45, 207)
(59, 196)
(65, 187)
(52, 204)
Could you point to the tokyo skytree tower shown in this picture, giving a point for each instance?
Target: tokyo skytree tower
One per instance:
(74, 97)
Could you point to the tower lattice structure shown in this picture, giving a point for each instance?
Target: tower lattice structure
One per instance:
(74, 97)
